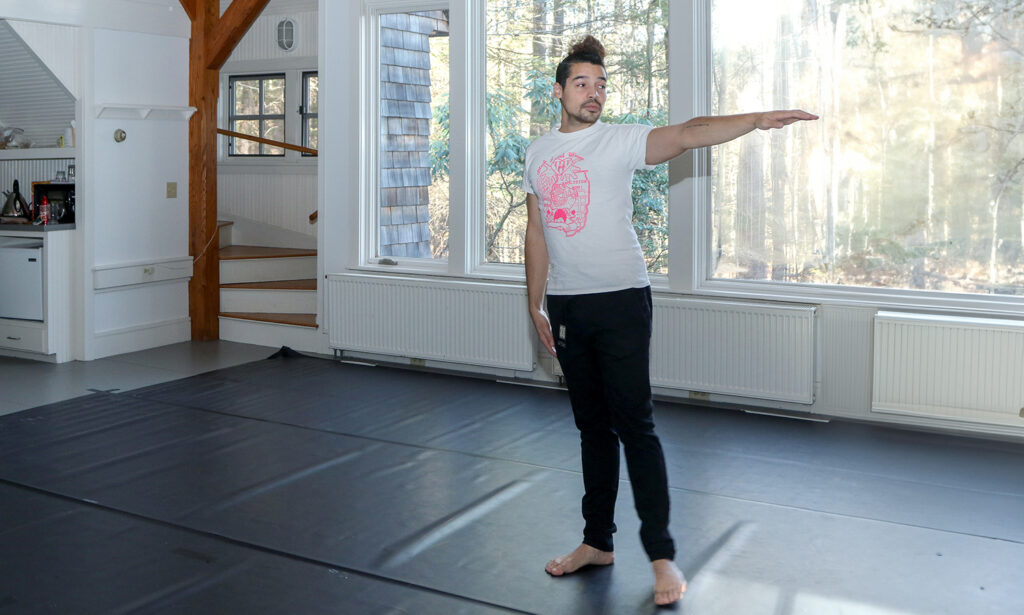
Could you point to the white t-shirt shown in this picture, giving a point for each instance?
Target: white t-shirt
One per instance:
(583, 181)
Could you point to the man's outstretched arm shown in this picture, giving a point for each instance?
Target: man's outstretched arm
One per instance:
(666, 142)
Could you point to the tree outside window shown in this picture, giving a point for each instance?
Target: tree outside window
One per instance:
(914, 176)
(257, 109)
(525, 41)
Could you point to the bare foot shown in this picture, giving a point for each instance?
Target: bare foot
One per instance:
(584, 555)
(669, 582)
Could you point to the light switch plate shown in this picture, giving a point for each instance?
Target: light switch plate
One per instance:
(172, 190)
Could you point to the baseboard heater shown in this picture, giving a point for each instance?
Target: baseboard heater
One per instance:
(466, 322)
(746, 349)
(967, 369)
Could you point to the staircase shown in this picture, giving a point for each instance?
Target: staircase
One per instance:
(268, 295)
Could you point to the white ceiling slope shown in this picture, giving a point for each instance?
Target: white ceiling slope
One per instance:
(31, 97)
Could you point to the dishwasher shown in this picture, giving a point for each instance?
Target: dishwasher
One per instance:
(21, 279)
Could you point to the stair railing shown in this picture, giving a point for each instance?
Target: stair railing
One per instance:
(281, 144)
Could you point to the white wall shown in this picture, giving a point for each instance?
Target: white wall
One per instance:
(340, 133)
(131, 221)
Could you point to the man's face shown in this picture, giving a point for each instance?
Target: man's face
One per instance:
(583, 95)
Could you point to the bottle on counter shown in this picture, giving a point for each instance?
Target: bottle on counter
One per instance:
(44, 210)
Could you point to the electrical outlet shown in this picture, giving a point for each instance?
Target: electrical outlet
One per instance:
(700, 396)
(172, 190)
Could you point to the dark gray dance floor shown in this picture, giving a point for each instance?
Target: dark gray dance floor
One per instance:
(304, 485)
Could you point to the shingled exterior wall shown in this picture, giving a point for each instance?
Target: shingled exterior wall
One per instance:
(405, 131)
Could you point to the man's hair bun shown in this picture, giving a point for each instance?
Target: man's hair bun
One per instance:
(588, 45)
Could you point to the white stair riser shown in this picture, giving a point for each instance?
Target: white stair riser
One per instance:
(266, 300)
(224, 235)
(303, 339)
(267, 269)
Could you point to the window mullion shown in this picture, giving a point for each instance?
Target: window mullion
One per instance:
(466, 45)
(689, 175)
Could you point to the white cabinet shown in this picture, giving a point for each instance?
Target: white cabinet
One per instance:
(21, 279)
(25, 336)
(35, 297)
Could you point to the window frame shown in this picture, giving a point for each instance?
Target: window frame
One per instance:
(305, 115)
(260, 117)
(369, 192)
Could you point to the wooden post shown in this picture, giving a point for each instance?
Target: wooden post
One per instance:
(213, 38)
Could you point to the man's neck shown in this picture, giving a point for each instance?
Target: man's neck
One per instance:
(570, 124)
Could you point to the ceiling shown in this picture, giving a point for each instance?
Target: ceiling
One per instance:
(281, 6)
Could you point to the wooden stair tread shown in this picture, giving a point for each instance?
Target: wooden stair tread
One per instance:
(241, 252)
(309, 284)
(300, 320)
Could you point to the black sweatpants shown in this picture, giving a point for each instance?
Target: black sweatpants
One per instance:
(603, 344)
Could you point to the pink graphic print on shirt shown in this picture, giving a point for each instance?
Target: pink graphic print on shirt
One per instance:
(565, 193)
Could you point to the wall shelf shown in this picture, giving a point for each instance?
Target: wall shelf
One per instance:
(143, 112)
(37, 153)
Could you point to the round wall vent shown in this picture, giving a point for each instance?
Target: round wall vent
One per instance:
(286, 34)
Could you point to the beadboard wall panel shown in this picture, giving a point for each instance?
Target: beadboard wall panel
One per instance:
(57, 47)
(28, 171)
(284, 200)
(260, 42)
(32, 98)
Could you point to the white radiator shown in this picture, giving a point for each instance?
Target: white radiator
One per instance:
(969, 369)
(745, 349)
(476, 323)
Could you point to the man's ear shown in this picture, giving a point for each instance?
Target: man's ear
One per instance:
(556, 90)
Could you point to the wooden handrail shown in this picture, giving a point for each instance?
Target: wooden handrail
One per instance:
(240, 135)
(296, 148)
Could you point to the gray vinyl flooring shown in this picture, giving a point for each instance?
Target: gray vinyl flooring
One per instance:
(304, 485)
(27, 384)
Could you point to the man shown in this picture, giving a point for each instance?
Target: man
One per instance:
(582, 252)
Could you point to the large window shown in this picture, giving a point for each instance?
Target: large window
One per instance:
(257, 109)
(525, 41)
(413, 68)
(914, 176)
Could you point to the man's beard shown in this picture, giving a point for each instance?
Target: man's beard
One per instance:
(585, 116)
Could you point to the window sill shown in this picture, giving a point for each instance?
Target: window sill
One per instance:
(867, 297)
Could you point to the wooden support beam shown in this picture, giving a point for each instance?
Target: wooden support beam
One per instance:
(233, 25)
(190, 8)
(203, 85)
(213, 37)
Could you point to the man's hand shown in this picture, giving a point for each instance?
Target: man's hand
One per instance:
(543, 326)
(781, 119)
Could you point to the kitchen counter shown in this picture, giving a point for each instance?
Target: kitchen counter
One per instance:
(34, 228)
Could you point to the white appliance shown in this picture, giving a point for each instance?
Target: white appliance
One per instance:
(21, 279)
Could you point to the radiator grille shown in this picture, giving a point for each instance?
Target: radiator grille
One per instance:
(969, 369)
(475, 323)
(733, 348)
